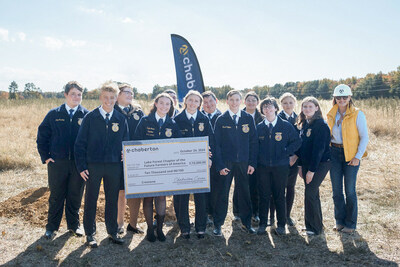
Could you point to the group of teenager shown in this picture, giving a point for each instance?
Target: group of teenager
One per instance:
(261, 148)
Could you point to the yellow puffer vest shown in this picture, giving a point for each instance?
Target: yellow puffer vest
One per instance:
(350, 135)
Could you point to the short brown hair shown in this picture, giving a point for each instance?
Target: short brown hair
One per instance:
(252, 93)
(269, 100)
(193, 92)
(233, 92)
(71, 85)
(209, 94)
(171, 109)
(122, 86)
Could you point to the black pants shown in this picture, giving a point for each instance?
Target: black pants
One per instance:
(272, 181)
(181, 206)
(290, 192)
(238, 170)
(312, 202)
(66, 185)
(211, 197)
(111, 173)
(254, 195)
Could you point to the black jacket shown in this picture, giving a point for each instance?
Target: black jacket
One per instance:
(98, 142)
(57, 133)
(148, 129)
(283, 117)
(214, 118)
(275, 148)
(132, 117)
(257, 117)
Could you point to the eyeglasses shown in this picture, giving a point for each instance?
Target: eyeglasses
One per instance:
(128, 92)
(341, 97)
(268, 106)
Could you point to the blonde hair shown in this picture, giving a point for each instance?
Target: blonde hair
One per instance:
(286, 95)
(193, 92)
(109, 86)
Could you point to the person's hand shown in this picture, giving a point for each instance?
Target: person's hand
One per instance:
(85, 175)
(122, 155)
(209, 152)
(224, 171)
(309, 177)
(250, 170)
(293, 159)
(210, 163)
(49, 160)
(301, 172)
(354, 162)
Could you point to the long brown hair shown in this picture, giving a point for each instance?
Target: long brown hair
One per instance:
(351, 103)
(171, 109)
(301, 119)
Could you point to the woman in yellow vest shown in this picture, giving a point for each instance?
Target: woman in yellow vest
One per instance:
(349, 139)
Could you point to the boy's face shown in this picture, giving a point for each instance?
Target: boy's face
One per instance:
(108, 100)
(209, 104)
(73, 98)
(234, 102)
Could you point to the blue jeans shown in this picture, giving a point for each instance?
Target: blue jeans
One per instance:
(345, 209)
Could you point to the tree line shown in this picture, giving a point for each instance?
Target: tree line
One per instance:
(377, 85)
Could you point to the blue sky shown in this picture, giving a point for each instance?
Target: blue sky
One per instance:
(240, 43)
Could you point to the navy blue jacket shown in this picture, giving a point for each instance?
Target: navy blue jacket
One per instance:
(57, 133)
(275, 148)
(283, 117)
(98, 142)
(235, 143)
(314, 149)
(132, 117)
(214, 118)
(257, 117)
(202, 127)
(148, 129)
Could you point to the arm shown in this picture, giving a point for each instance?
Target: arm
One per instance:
(363, 133)
(218, 145)
(139, 133)
(43, 139)
(81, 145)
(319, 145)
(294, 142)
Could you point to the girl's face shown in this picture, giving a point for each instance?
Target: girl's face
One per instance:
(251, 103)
(163, 105)
(342, 101)
(192, 103)
(288, 104)
(309, 109)
(125, 97)
(269, 111)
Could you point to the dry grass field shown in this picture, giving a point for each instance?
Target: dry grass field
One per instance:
(24, 193)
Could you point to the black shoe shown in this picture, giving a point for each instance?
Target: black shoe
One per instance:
(290, 222)
(250, 230)
(49, 234)
(256, 219)
(91, 241)
(271, 222)
(217, 231)
(115, 239)
(78, 231)
(134, 230)
(200, 235)
(150, 235)
(185, 235)
(280, 231)
(261, 229)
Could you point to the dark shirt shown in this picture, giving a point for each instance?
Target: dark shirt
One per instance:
(98, 142)
(133, 117)
(57, 133)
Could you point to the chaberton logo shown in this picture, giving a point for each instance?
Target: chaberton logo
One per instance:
(187, 67)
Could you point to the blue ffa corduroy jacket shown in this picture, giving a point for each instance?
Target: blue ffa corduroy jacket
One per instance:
(132, 117)
(314, 149)
(283, 117)
(275, 148)
(214, 118)
(235, 143)
(258, 117)
(148, 129)
(57, 133)
(98, 142)
(202, 127)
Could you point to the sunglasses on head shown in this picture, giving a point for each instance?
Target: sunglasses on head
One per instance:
(341, 97)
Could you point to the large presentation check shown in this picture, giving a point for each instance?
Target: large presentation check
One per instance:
(165, 167)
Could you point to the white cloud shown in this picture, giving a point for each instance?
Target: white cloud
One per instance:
(53, 43)
(22, 36)
(91, 10)
(127, 20)
(75, 43)
(4, 34)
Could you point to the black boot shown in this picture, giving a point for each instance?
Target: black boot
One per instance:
(150, 234)
(160, 223)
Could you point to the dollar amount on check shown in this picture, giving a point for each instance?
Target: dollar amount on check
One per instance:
(166, 167)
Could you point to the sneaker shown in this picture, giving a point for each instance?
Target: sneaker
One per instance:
(338, 227)
(261, 230)
(290, 222)
(217, 231)
(347, 230)
(280, 231)
(256, 219)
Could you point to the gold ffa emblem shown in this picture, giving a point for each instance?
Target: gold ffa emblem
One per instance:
(201, 126)
(245, 128)
(168, 132)
(308, 133)
(136, 116)
(80, 121)
(278, 136)
(115, 127)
